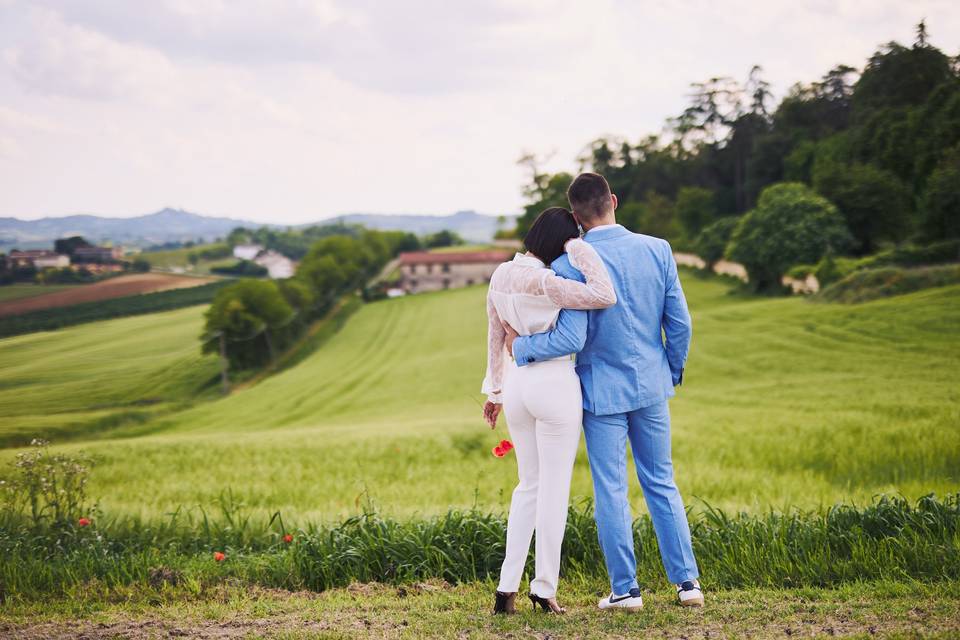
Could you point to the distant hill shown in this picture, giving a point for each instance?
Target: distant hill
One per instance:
(166, 225)
(472, 226)
(175, 225)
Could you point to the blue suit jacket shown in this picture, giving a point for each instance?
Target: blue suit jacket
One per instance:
(632, 354)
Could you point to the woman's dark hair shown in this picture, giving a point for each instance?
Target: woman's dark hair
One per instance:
(549, 232)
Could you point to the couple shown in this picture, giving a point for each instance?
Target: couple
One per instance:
(613, 301)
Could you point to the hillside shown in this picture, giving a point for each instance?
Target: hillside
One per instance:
(175, 225)
(81, 380)
(784, 403)
(166, 225)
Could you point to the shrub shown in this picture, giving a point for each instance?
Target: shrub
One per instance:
(791, 225)
(244, 268)
(443, 238)
(870, 284)
(48, 489)
(712, 242)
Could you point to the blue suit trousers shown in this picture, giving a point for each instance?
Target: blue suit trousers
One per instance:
(648, 430)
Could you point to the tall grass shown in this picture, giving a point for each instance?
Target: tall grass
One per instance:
(889, 539)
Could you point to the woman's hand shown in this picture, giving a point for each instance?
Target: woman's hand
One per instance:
(491, 411)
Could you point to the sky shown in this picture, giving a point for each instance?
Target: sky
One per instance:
(293, 111)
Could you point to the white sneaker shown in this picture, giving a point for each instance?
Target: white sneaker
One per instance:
(629, 602)
(690, 594)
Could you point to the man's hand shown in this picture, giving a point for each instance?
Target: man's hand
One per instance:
(491, 411)
(510, 337)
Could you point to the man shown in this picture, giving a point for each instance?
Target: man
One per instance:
(627, 371)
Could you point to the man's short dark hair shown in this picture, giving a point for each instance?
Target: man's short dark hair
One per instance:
(589, 196)
(550, 232)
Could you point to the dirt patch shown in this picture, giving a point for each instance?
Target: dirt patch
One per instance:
(345, 623)
(112, 288)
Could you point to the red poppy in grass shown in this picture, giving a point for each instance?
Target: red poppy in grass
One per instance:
(288, 538)
(219, 556)
(83, 522)
(506, 445)
(499, 452)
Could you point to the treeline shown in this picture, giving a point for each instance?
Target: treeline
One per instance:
(296, 243)
(254, 320)
(852, 164)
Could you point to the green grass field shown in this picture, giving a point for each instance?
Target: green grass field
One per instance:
(785, 403)
(81, 380)
(180, 259)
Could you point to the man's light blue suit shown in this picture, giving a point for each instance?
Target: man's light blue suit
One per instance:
(628, 371)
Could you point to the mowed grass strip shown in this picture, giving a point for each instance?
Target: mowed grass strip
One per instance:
(71, 382)
(785, 403)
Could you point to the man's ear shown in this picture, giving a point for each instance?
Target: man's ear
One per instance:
(613, 198)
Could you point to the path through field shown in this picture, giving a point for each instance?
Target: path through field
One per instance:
(439, 610)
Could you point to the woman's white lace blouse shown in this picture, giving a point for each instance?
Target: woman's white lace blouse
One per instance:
(528, 296)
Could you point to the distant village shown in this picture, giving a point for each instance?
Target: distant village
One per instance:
(75, 260)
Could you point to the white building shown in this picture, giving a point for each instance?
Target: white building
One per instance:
(55, 261)
(430, 271)
(277, 265)
(247, 251)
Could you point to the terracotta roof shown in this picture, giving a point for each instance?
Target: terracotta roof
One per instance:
(459, 257)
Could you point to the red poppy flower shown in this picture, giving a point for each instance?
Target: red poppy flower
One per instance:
(83, 522)
(499, 452)
(506, 445)
(218, 556)
(288, 538)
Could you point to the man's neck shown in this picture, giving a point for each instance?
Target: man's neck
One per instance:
(599, 222)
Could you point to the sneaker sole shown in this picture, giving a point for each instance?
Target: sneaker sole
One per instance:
(692, 602)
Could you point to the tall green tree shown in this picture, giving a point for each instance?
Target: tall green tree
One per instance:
(875, 203)
(696, 208)
(941, 202)
(790, 225)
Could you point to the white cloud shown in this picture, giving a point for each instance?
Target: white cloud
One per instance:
(296, 110)
(74, 61)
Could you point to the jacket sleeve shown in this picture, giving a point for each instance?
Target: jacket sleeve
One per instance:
(596, 292)
(568, 336)
(675, 321)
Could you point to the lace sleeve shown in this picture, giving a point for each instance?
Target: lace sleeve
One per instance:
(596, 293)
(493, 381)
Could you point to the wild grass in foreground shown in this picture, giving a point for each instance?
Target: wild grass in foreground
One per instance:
(891, 539)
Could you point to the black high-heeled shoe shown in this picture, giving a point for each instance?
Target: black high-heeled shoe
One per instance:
(546, 605)
(506, 603)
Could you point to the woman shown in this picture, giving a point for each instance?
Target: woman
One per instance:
(541, 401)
